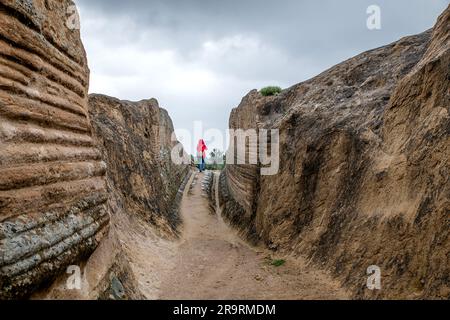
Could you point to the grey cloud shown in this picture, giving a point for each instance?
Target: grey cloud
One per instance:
(295, 26)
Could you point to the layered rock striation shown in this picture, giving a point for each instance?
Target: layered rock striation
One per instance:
(66, 168)
(52, 185)
(144, 189)
(364, 172)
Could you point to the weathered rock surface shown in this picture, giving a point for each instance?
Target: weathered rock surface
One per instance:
(144, 191)
(55, 202)
(364, 173)
(135, 139)
(52, 185)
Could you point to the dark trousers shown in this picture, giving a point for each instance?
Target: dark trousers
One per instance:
(202, 165)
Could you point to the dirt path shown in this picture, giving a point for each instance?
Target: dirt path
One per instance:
(211, 262)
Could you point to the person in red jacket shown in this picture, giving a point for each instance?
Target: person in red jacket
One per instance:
(201, 155)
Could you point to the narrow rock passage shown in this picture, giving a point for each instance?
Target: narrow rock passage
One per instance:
(212, 262)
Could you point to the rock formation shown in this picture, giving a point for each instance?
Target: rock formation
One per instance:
(144, 191)
(55, 202)
(363, 180)
(364, 172)
(136, 144)
(52, 186)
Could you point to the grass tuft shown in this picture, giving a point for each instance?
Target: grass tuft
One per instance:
(270, 91)
(278, 263)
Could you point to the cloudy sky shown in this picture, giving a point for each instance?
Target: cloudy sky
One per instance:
(200, 57)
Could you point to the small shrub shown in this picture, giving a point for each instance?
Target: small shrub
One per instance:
(278, 263)
(270, 91)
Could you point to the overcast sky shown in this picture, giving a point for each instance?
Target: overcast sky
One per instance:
(199, 58)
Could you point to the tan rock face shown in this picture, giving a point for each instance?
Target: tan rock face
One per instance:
(144, 191)
(364, 174)
(135, 138)
(52, 185)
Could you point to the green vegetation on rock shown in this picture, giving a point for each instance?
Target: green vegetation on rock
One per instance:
(270, 91)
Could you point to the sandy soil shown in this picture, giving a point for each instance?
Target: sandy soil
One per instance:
(208, 262)
(211, 262)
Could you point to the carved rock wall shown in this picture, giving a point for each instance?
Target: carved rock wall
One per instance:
(364, 175)
(135, 139)
(52, 185)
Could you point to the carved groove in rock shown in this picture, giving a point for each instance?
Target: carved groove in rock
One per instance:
(364, 176)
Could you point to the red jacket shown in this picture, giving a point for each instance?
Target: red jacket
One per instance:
(201, 149)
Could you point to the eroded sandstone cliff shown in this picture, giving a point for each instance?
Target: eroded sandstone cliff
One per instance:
(72, 176)
(136, 143)
(144, 190)
(52, 186)
(364, 173)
